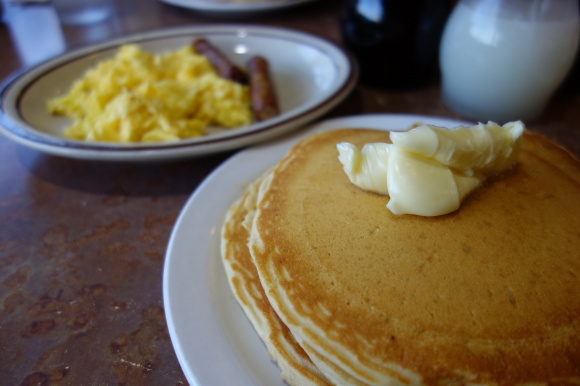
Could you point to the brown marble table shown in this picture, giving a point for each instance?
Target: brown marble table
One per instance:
(82, 243)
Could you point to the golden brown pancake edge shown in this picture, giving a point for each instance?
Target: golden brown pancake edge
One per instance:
(484, 294)
(295, 365)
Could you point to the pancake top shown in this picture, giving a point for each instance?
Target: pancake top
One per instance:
(484, 294)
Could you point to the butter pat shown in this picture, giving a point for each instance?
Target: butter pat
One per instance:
(429, 170)
(366, 168)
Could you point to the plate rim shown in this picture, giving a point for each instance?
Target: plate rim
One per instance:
(252, 169)
(13, 88)
(230, 7)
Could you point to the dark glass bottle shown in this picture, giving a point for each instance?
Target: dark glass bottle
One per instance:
(396, 42)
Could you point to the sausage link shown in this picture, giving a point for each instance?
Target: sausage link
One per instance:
(263, 97)
(220, 62)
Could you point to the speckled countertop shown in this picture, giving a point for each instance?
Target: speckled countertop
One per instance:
(82, 243)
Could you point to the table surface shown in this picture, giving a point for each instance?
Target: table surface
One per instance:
(82, 243)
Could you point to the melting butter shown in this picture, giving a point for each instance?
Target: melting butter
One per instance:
(429, 170)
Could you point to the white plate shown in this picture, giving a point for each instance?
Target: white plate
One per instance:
(213, 340)
(236, 7)
(311, 76)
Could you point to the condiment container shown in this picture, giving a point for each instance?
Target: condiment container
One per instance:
(396, 42)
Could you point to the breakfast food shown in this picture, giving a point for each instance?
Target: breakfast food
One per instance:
(263, 97)
(224, 67)
(487, 294)
(429, 170)
(140, 97)
(294, 364)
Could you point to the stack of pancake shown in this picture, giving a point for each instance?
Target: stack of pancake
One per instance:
(342, 291)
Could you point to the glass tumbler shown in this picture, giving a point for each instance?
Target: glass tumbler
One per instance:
(502, 60)
(80, 12)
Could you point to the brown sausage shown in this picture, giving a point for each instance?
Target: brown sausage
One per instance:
(220, 62)
(263, 97)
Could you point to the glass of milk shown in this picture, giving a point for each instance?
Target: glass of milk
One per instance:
(502, 60)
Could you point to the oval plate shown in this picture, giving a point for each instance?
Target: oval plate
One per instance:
(236, 7)
(311, 76)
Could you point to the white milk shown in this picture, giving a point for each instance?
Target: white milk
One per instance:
(501, 68)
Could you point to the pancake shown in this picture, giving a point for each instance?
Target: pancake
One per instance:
(296, 367)
(487, 294)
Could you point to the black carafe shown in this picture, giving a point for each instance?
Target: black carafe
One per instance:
(396, 42)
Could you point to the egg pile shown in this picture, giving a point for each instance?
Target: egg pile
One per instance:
(140, 97)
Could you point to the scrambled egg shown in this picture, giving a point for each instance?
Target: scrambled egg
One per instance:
(140, 97)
